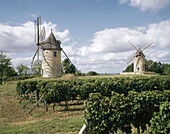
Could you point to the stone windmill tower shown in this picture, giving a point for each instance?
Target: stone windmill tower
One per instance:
(51, 57)
(139, 59)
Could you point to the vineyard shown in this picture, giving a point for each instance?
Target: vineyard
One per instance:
(111, 103)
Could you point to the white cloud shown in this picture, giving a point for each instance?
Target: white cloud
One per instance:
(21, 38)
(22, 60)
(123, 1)
(62, 36)
(153, 5)
(116, 39)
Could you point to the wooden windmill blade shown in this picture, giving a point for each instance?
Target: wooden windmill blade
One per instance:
(42, 34)
(37, 24)
(133, 45)
(130, 58)
(147, 46)
(149, 64)
(67, 56)
(34, 56)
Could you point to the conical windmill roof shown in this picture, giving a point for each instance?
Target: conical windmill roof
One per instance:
(51, 43)
(139, 53)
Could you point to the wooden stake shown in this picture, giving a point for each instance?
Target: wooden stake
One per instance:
(24, 96)
(29, 98)
(53, 107)
(46, 106)
(36, 104)
(37, 97)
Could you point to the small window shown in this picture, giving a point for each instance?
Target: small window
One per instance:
(55, 54)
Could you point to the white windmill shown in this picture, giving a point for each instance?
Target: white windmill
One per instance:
(139, 59)
(51, 52)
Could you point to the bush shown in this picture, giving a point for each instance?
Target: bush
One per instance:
(160, 123)
(92, 73)
(108, 114)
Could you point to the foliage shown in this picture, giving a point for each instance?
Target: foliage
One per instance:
(59, 90)
(36, 68)
(14, 78)
(92, 73)
(129, 68)
(68, 67)
(22, 70)
(6, 70)
(79, 73)
(156, 67)
(160, 122)
(108, 114)
(166, 69)
(115, 103)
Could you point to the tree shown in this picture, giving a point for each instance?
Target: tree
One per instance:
(92, 73)
(68, 67)
(156, 67)
(166, 69)
(129, 68)
(22, 70)
(36, 68)
(6, 69)
(10, 72)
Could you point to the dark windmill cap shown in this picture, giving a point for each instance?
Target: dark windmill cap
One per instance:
(139, 53)
(51, 43)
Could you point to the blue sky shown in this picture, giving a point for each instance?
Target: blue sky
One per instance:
(94, 33)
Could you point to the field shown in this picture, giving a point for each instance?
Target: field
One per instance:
(15, 119)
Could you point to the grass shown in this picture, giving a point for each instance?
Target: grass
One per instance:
(56, 125)
(15, 119)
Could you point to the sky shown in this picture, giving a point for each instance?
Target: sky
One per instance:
(93, 33)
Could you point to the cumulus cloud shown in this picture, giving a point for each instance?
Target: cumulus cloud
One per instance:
(116, 39)
(21, 38)
(110, 47)
(22, 60)
(63, 36)
(153, 5)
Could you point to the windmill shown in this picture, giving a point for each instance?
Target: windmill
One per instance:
(139, 59)
(51, 57)
(39, 37)
(51, 51)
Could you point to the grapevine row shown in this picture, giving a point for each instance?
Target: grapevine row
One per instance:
(108, 114)
(60, 90)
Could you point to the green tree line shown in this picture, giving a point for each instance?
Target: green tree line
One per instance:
(157, 67)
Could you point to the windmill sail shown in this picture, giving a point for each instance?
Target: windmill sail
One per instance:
(133, 45)
(67, 56)
(130, 58)
(34, 56)
(39, 36)
(147, 46)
